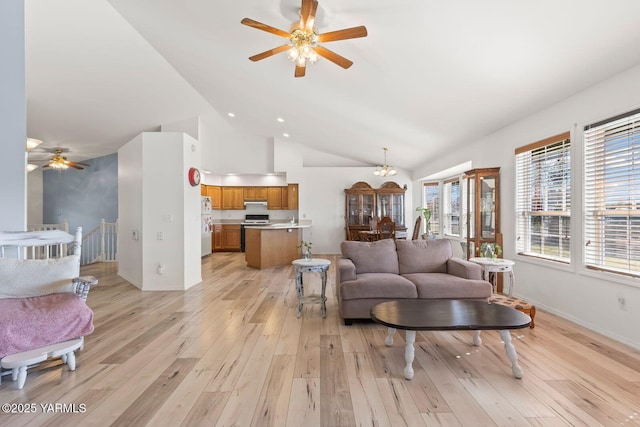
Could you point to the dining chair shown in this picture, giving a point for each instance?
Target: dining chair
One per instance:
(386, 228)
(416, 228)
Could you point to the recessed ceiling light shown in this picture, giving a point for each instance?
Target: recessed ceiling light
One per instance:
(286, 135)
(280, 119)
(231, 114)
(205, 171)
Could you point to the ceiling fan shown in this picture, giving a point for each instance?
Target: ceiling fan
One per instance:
(304, 38)
(58, 161)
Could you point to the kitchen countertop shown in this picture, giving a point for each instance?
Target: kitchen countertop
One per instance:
(278, 226)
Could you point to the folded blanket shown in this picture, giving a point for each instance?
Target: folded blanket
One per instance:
(30, 323)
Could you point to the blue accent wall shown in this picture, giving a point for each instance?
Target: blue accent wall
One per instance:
(82, 197)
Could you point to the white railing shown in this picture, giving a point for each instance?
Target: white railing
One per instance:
(39, 252)
(64, 226)
(100, 244)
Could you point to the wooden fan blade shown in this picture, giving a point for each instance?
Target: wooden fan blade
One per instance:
(79, 163)
(269, 53)
(300, 70)
(75, 166)
(264, 27)
(333, 57)
(305, 10)
(347, 33)
(311, 19)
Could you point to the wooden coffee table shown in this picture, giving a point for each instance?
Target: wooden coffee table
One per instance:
(449, 315)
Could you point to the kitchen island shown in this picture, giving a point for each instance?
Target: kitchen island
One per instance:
(273, 245)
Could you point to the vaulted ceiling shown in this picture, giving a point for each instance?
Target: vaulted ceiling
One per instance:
(430, 75)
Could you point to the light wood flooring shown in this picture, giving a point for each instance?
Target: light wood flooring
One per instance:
(231, 352)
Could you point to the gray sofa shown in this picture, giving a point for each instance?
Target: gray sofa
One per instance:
(373, 272)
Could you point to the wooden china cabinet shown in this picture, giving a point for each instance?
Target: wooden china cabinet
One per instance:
(360, 207)
(483, 209)
(362, 202)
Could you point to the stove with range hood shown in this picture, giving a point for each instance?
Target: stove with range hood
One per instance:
(249, 220)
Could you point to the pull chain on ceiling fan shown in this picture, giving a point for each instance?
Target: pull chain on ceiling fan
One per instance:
(304, 38)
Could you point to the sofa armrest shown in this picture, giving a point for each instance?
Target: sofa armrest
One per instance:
(464, 269)
(83, 284)
(346, 270)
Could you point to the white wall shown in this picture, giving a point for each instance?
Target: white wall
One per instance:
(34, 197)
(155, 198)
(130, 176)
(586, 297)
(322, 200)
(13, 117)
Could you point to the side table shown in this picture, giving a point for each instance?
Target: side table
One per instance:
(490, 265)
(497, 265)
(314, 265)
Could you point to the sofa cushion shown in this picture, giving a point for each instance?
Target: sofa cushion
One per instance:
(442, 285)
(20, 278)
(423, 256)
(372, 257)
(377, 285)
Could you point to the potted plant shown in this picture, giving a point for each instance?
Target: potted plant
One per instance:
(306, 249)
(490, 250)
(426, 212)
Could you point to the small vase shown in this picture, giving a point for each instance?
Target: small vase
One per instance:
(307, 255)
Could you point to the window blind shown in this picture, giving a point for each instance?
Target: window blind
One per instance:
(612, 194)
(543, 198)
(451, 207)
(432, 201)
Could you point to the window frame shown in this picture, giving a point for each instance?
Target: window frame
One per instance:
(553, 192)
(448, 204)
(602, 163)
(436, 225)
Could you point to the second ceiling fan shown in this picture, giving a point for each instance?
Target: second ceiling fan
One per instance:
(304, 38)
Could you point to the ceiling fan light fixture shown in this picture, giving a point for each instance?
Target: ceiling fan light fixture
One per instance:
(384, 169)
(32, 143)
(31, 167)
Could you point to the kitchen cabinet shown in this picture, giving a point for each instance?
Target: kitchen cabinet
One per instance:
(255, 193)
(203, 190)
(231, 237)
(249, 193)
(274, 198)
(216, 238)
(215, 192)
(292, 194)
(233, 198)
(226, 238)
(285, 198)
(261, 193)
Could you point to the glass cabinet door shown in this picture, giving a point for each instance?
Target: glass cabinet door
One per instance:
(384, 205)
(398, 209)
(367, 208)
(483, 213)
(353, 209)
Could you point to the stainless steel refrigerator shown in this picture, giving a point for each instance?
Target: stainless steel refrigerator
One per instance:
(206, 226)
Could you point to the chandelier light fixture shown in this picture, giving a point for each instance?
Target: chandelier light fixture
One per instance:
(385, 170)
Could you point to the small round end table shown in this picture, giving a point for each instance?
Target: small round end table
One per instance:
(313, 265)
(497, 265)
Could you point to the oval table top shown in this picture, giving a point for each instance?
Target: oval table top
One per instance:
(448, 314)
